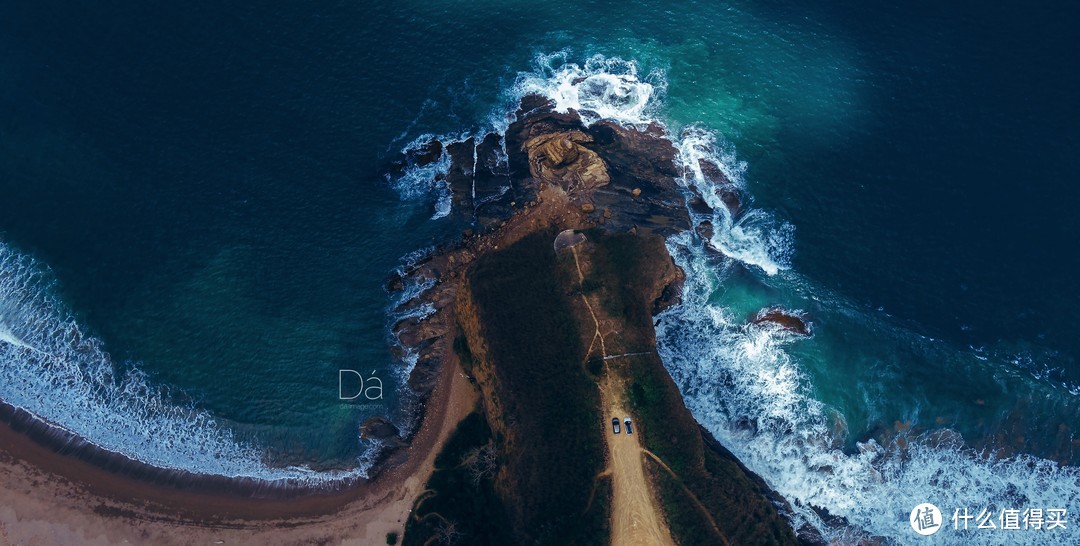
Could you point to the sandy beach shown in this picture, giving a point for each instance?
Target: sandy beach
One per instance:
(49, 498)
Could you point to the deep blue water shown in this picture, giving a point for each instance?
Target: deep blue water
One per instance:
(953, 196)
(205, 184)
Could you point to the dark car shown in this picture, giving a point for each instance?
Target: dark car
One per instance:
(629, 427)
(615, 425)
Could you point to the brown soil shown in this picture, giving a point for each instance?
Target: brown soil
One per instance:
(636, 517)
(61, 500)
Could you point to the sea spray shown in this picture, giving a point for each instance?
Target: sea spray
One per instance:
(601, 88)
(407, 305)
(740, 382)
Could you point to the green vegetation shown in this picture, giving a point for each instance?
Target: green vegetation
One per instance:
(549, 402)
(732, 487)
(544, 410)
(461, 347)
(716, 480)
(595, 365)
(460, 504)
(630, 266)
(391, 538)
(591, 284)
(688, 523)
(598, 514)
(658, 408)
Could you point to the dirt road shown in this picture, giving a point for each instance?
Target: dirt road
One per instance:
(635, 515)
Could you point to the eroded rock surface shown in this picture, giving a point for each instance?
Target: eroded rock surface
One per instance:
(560, 158)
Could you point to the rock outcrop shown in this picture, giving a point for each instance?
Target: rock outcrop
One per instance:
(789, 321)
(558, 210)
(382, 430)
(723, 187)
(560, 158)
(629, 173)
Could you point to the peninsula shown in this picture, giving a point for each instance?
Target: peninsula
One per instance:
(545, 414)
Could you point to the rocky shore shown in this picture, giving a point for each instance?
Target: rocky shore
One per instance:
(579, 211)
(548, 187)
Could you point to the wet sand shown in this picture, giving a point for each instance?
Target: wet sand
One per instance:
(50, 498)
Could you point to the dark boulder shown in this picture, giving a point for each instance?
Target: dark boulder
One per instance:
(705, 230)
(426, 154)
(382, 430)
(395, 283)
(727, 191)
(418, 156)
(531, 103)
(729, 195)
(699, 206)
(787, 320)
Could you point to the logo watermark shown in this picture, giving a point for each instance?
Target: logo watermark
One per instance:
(926, 519)
(1011, 519)
(352, 385)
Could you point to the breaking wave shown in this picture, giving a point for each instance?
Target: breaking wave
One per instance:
(742, 385)
(739, 380)
(600, 88)
(613, 89)
(53, 369)
(753, 237)
(421, 181)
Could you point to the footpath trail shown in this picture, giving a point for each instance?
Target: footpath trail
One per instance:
(635, 516)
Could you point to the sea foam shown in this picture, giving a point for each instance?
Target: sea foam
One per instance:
(51, 367)
(732, 374)
(753, 237)
(743, 385)
(600, 88)
(421, 181)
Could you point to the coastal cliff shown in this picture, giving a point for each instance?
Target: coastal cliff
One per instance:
(547, 304)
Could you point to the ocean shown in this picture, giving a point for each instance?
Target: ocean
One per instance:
(196, 227)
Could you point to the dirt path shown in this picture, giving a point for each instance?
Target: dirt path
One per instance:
(585, 299)
(635, 516)
(697, 502)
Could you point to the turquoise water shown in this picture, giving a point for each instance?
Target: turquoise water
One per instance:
(199, 190)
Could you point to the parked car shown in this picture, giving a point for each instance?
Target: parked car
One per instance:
(629, 426)
(615, 425)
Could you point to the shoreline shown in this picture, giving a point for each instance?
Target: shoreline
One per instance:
(63, 442)
(53, 497)
(84, 495)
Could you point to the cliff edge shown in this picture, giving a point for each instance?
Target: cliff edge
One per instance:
(547, 304)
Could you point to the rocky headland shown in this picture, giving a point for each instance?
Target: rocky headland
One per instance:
(547, 303)
(525, 334)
